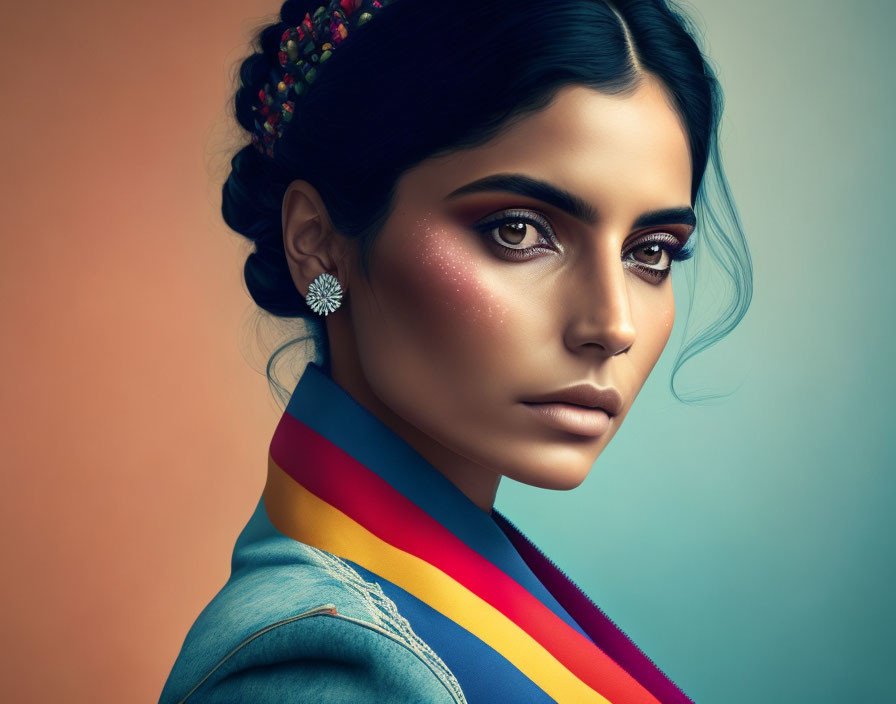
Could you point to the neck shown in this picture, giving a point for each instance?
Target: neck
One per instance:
(480, 484)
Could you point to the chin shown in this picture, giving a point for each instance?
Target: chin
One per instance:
(561, 469)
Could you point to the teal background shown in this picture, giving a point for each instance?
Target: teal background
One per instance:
(747, 545)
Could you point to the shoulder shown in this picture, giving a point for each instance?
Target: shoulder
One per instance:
(321, 657)
(296, 624)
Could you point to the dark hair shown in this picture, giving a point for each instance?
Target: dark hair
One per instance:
(423, 79)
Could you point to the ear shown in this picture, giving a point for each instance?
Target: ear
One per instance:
(311, 243)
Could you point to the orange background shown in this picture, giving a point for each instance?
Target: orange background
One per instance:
(135, 432)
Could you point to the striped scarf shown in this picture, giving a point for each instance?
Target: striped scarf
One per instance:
(499, 613)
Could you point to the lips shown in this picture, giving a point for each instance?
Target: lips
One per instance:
(581, 410)
(585, 395)
(570, 418)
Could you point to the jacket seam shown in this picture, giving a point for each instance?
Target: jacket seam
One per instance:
(246, 641)
(387, 617)
(323, 610)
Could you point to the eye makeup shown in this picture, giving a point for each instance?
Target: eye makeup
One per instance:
(668, 243)
(546, 240)
(665, 242)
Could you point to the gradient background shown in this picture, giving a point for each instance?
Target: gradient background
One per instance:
(747, 545)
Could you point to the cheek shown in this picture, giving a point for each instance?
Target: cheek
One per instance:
(434, 313)
(437, 278)
(655, 316)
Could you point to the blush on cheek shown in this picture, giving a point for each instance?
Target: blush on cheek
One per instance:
(445, 276)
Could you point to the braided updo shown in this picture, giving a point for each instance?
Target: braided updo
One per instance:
(423, 79)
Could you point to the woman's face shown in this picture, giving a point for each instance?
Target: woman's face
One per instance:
(481, 299)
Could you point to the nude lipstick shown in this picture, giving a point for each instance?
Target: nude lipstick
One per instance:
(582, 409)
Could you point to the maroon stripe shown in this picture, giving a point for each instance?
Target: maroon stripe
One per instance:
(605, 634)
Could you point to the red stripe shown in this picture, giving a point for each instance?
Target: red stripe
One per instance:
(337, 478)
(608, 636)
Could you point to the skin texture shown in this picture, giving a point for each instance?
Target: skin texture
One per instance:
(448, 336)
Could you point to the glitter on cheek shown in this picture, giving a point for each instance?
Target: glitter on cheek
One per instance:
(667, 315)
(450, 275)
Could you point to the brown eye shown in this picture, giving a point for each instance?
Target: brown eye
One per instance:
(523, 232)
(652, 255)
(512, 232)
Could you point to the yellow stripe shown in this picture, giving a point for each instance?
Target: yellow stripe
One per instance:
(303, 516)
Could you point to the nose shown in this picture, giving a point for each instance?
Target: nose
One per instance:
(600, 316)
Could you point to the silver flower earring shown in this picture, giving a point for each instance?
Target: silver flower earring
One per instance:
(324, 294)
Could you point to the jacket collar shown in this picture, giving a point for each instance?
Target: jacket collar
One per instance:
(319, 403)
(343, 481)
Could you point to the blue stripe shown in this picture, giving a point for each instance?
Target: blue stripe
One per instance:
(329, 410)
(483, 673)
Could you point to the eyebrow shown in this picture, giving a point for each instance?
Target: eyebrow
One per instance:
(569, 202)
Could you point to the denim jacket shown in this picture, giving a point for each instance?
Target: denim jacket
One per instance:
(274, 633)
(365, 575)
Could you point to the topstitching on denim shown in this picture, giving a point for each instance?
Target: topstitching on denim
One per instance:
(385, 614)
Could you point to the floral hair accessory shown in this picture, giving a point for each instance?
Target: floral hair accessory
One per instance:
(302, 49)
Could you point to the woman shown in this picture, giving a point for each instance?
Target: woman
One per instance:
(476, 207)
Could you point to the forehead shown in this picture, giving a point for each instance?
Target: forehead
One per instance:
(616, 151)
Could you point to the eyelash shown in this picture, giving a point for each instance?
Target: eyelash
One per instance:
(677, 252)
